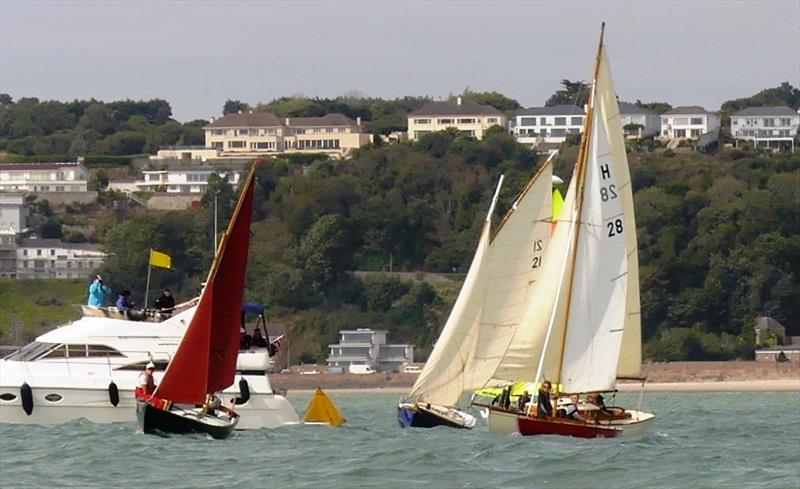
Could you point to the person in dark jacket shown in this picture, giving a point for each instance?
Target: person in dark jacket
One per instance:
(258, 339)
(165, 304)
(544, 406)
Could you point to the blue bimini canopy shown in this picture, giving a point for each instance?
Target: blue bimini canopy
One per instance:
(253, 307)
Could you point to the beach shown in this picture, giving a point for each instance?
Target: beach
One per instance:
(737, 376)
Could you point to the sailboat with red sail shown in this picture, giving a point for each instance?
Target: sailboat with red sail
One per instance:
(205, 362)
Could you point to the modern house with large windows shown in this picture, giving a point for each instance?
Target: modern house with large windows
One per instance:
(689, 122)
(638, 122)
(464, 116)
(368, 347)
(258, 133)
(768, 127)
(184, 179)
(52, 258)
(538, 125)
(44, 177)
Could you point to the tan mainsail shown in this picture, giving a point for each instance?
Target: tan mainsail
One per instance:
(514, 264)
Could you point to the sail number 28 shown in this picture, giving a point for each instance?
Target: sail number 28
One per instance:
(614, 227)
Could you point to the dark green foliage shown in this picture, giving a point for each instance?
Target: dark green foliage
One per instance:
(37, 128)
(785, 94)
(657, 107)
(51, 228)
(234, 106)
(573, 93)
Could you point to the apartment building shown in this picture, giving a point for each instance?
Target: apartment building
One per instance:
(538, 125)
(183, 179)
(258, 133)
(638, 122)
(13, 220)
(368, 347)
(465, 116)
(52, 258)
(689, 122)
(44, 177)
(769, 127)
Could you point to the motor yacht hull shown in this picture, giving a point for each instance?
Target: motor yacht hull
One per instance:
(508, 422)
(423, 415)
(57, 400)
(184, 421)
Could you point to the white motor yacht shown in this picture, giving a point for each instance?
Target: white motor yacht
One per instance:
(89, 369)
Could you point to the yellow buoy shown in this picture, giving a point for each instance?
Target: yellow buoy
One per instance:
(322, 410)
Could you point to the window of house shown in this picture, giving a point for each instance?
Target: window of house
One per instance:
(528, 121)
(236, 144)
(542, 121)
(492, 120)
(696, 121)
(680, 121)
(242, 132)
(576, 121)
(445, 121)
(560, 121)
(217, 132)
(466, 121)
(695, 133)
(558, 133)
(680, 133)
(422, 121)
(216, 145)
(38, 252)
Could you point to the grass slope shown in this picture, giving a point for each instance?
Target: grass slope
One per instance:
(31, 307)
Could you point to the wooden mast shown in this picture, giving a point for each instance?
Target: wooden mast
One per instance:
(581, 170)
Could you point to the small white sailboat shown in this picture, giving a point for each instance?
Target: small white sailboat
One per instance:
(481, 324)
(584, 325)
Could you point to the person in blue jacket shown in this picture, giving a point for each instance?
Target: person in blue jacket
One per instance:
(98, 293)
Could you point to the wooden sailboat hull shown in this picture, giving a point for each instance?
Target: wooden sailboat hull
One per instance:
(507, 422)
(419, 415)
(180, 421)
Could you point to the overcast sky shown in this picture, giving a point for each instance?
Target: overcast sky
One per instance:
(198, 54)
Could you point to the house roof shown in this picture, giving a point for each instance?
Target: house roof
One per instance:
(554, 110)
(326, 120)
(268, 119)
(38, 166)
(57, 243)
(766, 323)
(247, 119)
(626, 108)
(781, 110)
(687, 110)
(466, 107)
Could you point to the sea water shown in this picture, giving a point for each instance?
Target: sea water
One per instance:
(719, 440)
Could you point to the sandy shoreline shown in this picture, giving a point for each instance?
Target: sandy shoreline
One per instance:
(779, 385)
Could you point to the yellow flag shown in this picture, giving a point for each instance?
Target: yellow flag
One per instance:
(158, 259)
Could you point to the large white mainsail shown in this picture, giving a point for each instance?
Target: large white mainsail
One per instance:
(597, 305)
(514, 263)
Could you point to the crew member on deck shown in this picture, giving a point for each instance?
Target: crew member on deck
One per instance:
(245, 340)
(165, 304)
(571, 409)
(146, 384)
(258, 339)
(98, 293)
(544, 406)
(125, 305)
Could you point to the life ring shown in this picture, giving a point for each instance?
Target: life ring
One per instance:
(113, 394)
(26, 395)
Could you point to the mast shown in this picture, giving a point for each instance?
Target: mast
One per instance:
(580, 187)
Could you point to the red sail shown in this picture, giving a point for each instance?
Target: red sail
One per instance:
(206, 358)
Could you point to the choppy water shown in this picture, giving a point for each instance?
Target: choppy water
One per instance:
(748, 440)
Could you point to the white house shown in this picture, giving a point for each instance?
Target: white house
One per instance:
(465, 116)
(368, 347)
(631, 115)
(547, 124)
(13, 212)
(44, 177)
(183, 179)
(689, 122)
(51, 258)
(766, 126)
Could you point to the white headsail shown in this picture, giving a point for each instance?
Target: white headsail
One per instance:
(516, 263)
(442, 379)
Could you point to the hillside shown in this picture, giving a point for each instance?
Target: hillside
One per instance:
(30, 307)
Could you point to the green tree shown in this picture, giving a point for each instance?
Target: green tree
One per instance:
(234, 106)
(573, 93)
